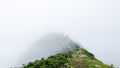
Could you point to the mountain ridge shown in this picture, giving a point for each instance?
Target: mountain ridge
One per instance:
(68, 54)
(79, 58)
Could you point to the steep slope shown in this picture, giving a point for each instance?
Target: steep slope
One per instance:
(61, 52)
(79, 58)
(83, 59)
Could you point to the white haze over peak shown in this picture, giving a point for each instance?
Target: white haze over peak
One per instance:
(93, 23)
(48, 45)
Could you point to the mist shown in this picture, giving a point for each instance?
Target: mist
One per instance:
(94, 24)
(49, 44)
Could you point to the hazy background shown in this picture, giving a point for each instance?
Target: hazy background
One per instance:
(95, 24)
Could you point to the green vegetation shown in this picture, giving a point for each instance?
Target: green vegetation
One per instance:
(56, 61)
(79, 58)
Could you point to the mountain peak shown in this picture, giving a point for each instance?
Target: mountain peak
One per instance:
(59, 51)
(49, 44)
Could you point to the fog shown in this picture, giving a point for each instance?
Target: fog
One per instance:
(94, 24)
(49, 44)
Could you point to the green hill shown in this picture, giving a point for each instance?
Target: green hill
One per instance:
(77, 58)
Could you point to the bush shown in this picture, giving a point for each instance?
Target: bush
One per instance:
(55, 61)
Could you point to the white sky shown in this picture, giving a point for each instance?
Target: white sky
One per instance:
(95, 24)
